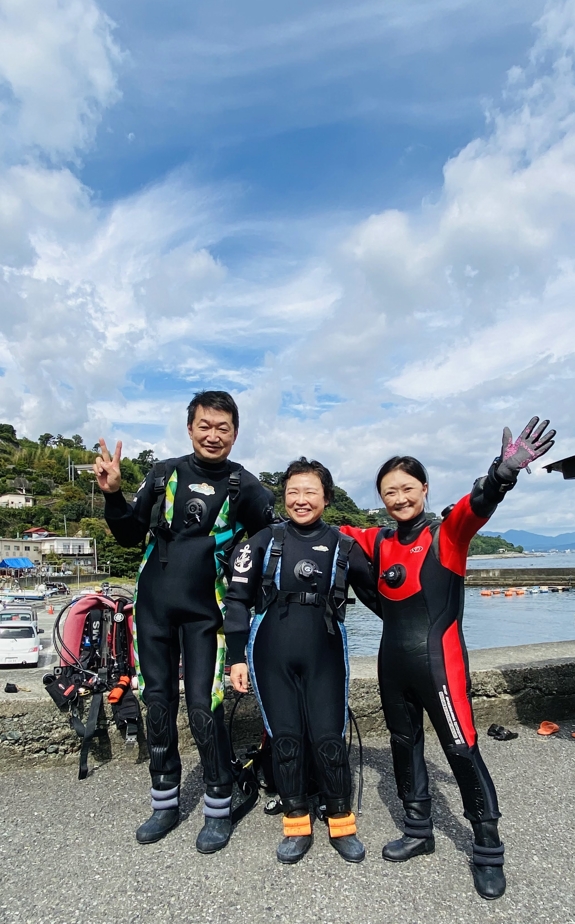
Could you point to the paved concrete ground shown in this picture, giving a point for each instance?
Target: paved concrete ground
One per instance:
(68, 854)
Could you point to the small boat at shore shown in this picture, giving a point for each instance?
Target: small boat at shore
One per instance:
(544, 589)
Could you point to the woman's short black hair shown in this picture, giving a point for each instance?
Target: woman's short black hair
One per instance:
(302, 466)
(217, 401)
(406, 464)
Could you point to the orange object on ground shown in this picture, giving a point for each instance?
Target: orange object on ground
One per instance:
(50, 610)
(341, 827)
(547, 728)
(297, 827)
(118, 690)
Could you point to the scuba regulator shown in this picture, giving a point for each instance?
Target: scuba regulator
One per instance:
(394, 576)
(196, 510)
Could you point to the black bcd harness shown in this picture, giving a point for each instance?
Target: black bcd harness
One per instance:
(159, 527)
(333, 603)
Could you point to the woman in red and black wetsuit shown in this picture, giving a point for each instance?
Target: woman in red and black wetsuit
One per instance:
(422, 659)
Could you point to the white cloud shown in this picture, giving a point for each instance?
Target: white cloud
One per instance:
(58, 70)
(420, 332)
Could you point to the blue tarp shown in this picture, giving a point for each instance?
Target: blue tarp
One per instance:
(16, 563)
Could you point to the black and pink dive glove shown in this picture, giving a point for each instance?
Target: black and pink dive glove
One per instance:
(529, 445)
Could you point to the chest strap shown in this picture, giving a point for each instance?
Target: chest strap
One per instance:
(334, 602)
(158, 525)
(269, 585)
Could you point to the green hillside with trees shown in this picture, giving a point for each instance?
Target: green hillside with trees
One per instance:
(68, 502)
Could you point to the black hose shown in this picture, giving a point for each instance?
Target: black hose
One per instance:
(231, 725)
(353, 721)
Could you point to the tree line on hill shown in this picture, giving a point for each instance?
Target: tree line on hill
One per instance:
(69, 502)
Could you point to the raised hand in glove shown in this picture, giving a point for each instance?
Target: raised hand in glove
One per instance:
(529, 445)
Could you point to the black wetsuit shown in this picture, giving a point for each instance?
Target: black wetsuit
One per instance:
(297, 653)
(423, 660)
(179, 604)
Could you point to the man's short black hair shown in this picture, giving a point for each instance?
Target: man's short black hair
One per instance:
(217, 401)
(302, 466)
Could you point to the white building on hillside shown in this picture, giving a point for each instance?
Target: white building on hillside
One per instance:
(16, 500)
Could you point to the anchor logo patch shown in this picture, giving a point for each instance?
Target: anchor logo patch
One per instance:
(244, 560)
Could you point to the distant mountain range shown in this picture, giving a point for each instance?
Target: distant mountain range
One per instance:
(534, 542)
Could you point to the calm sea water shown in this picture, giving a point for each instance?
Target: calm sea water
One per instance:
(491, 622)
(539, 560)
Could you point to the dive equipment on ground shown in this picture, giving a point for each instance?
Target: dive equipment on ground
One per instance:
(93, 636)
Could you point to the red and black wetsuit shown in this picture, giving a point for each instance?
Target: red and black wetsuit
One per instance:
(423, 660)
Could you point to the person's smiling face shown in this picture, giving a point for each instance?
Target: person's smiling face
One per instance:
(304, 498)
(212, 434)
(403, 495)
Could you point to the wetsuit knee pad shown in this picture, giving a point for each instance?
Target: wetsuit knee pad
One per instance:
(402, 754)
(160, 719)
(288, 765)
(203, 729)
(333, 766)
(476, 786)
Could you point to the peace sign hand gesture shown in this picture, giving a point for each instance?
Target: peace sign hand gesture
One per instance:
(107, 468)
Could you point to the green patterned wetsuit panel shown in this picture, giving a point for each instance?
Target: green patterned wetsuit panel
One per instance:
(222, 532)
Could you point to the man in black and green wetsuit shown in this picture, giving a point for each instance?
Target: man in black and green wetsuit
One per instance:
(194, 506)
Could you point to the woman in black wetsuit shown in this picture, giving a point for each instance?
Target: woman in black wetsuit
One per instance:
(423, 660)
(297, 574)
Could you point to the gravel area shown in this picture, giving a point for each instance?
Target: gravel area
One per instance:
(68, 853)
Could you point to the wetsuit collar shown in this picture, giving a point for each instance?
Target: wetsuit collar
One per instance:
(208, 466)
(307, 532)
(409, 530)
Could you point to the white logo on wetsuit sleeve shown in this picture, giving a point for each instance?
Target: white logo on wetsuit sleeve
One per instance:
(244, 560)
(320, 548)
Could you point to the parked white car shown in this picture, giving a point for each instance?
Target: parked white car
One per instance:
(19, 643)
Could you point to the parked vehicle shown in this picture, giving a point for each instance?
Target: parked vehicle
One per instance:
(19, 643)
(19, 611)
(57, 587)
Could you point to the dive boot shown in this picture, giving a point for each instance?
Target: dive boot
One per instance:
(297, 841)
(165, 815)
(343, 838)
(487, 864)
(217, 828)
(417, 839)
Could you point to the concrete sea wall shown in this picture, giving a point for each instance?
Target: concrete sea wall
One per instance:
(520, 577)
(523, 684)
